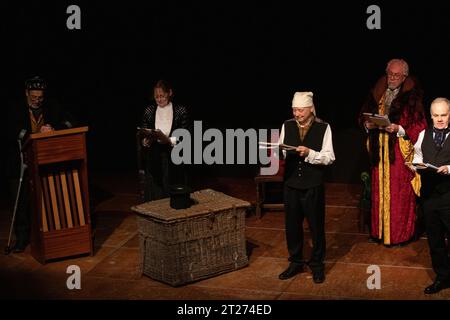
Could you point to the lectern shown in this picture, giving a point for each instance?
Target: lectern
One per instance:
(57, 164)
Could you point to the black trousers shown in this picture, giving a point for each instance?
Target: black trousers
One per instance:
(22, 223)
(157, 180)
(298, 204)
(437, 225)
(161, 173)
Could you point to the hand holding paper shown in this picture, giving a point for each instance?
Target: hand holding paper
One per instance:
(154, 134)
(377, 120)
(271, 145)
(421, 165)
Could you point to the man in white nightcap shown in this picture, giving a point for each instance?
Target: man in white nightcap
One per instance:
(304, 194)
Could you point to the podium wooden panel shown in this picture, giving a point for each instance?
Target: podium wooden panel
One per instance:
(57, 164)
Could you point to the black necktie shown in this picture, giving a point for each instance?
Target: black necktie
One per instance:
(439, 136)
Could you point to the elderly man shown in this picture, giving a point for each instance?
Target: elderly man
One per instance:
(31, 114)
(304, 194)
(394, 187)
(433, 147)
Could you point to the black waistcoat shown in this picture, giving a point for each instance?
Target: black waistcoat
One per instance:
(298, 173)
(432, 182)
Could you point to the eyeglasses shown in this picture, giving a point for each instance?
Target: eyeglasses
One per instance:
(39, 98)
(394, 75)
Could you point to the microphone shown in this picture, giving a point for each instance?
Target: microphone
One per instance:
(68, 124)
(22, 134)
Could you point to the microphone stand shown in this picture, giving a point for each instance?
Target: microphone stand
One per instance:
(23, 167)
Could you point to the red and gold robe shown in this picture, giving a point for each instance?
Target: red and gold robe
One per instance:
(394, 185)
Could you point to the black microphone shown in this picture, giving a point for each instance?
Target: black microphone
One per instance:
(22, 133)
(68, 124)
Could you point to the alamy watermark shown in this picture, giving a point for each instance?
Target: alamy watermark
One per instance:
(236, 146)
(374, 281)
(74, 280)
(374, 20)
(74, 20)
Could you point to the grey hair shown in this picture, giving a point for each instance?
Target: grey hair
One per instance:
(438, 100)
(403, 62)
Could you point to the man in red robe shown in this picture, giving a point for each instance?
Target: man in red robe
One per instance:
(394, 187)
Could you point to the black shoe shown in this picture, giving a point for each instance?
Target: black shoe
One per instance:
(19, 247)
(292, 270)
(437, 286)
(318, 276)
(398, 245)
(374, 240)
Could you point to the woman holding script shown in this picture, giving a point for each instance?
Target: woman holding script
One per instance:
(158, 123)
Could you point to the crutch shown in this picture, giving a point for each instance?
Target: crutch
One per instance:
(23, 167)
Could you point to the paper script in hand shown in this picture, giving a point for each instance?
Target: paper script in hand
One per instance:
(377, 119)
(421, 165)
(154, 134)
(271, 145)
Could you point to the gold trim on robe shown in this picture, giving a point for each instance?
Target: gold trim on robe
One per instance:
(384, 179)
(384, 206)
(407, 150)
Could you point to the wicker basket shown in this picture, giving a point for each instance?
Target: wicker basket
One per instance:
(182, 246)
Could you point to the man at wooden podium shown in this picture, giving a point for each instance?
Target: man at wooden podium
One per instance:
(32, 113)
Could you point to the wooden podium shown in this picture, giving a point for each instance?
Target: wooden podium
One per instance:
(57, 167)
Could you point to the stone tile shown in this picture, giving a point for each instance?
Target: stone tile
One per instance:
(342, 220)
(260, 275)
(197, 291)
(122, 264)
(132, 243)
(266, 243)
(413, 255)
(269, 219)
(349, 281)
(122, 231)
(121, 203)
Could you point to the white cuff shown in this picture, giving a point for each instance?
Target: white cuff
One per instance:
(401, 132)
(311, 156)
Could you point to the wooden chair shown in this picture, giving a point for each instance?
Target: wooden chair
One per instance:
(261, 182)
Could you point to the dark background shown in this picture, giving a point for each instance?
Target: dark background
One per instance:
(234, 64)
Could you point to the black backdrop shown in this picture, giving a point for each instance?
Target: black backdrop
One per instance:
(235, 64)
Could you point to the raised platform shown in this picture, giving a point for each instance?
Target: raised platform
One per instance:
(113, 272)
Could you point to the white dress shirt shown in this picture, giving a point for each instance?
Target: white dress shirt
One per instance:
(164, 119)
(418, 155)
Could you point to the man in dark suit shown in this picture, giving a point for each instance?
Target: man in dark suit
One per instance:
(433, 147)
(31, 114)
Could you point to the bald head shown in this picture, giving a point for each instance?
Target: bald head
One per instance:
(440, 112)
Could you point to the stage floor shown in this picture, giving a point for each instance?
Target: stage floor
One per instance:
(113, 273)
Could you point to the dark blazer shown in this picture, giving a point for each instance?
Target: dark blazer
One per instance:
(18, 119)
(180, 117)
(152, 158)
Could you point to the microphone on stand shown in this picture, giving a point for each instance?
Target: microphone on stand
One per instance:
(22, 134)
(68, 124)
